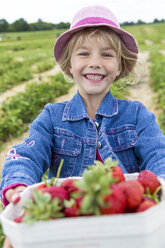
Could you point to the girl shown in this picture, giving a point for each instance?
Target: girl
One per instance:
(94, 125)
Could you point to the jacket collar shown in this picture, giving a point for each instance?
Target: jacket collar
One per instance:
(75, 108)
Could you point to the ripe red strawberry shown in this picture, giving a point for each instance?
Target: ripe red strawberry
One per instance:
(56, 191)
(69, 186)
(117, 173)
(18, 219)
(41, 186)
(149, 180)
(144, 205)
(78, 200)
(116, 200)
(133, 191)
(71, 211)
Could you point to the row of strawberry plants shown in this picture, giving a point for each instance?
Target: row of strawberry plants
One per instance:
(21, 109)
(157, 72)
(14, 72)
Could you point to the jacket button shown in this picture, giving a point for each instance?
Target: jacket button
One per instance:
(98, 144)
(96, 124)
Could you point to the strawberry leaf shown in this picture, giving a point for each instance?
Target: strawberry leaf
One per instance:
(42, 208)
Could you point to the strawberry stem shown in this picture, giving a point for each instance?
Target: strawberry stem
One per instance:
(58, 172)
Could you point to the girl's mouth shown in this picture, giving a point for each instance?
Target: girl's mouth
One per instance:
(96, 78)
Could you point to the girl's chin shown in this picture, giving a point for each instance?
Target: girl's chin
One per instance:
(97, 93)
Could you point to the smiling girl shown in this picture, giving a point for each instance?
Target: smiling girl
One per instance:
(94, 125)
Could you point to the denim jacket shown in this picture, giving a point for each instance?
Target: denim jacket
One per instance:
(122, 129)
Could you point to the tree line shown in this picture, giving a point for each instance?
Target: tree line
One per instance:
(22, 25)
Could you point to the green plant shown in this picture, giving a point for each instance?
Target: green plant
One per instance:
(2, 236)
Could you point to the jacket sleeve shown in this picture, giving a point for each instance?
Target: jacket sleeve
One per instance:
(25, 163)
(150, 147)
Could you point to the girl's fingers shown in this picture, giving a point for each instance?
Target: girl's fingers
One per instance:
(7, 243)
(10, 194)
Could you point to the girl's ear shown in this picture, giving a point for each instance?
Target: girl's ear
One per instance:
(119, 71)
(70, 70)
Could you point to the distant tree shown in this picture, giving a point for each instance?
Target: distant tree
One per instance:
(128, 23)
(40, 25)
(62, 25)
(158, 21)
(3, 25)
(40, 20)
(140, 22)
(155, 20)
(20, 25)
(162, 20)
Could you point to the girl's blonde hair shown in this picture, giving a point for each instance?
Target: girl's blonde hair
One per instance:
(126, 58)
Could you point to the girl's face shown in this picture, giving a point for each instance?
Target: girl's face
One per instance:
(94, 66)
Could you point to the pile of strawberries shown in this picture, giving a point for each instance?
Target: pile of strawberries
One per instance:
(102, 190)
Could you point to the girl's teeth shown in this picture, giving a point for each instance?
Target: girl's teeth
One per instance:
(94, 77)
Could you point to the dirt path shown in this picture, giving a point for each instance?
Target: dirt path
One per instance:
(140, 92)
(20, 88)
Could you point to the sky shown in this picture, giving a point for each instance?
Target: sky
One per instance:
(56, 11)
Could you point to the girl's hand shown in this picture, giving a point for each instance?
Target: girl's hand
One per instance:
(12, 194)
(7, 243)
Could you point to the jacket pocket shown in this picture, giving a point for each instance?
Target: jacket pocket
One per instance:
(122, 138)
(123, 141)
(67, 147)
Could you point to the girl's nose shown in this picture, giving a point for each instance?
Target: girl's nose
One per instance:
(94, 63)
(95, 66)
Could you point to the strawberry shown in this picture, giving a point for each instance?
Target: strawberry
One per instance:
(72, 206)
(78, 200)
(144, 205)
(133, 191)
(117, 173)
(69, 185)
(71, 211)
(18, 219)
(116, 201)
(41, 186)
(113, 167)
(93, 188)
(56, 192)
(45, 205)
(149, 180)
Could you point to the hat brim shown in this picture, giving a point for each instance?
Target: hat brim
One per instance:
(126, 37)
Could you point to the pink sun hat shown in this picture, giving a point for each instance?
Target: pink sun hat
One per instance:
(94, 16)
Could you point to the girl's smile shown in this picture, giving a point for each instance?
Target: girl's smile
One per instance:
(94, 78)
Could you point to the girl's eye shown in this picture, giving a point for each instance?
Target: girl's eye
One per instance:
(83, 54)
(107, 55)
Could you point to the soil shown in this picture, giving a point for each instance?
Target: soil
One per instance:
(140, 92)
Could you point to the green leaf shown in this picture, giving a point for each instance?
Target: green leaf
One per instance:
(45, 176)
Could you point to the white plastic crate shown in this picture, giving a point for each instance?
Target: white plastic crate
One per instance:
(134, 230)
